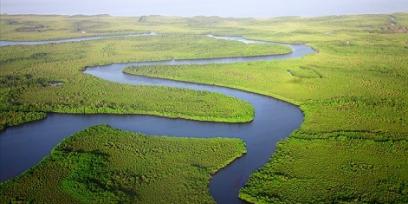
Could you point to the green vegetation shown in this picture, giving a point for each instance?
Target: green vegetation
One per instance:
(12, 118)
(56, 82)
(352, 146)
(101, 164)
(44, 27)
(11, 88)
(332, 171)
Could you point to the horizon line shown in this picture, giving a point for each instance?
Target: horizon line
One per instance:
(207, 16)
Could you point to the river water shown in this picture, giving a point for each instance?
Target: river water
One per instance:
(22, 147)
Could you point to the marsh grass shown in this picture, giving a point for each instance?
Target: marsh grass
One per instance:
(56, 82)
(102, 164)
(352, 145)
(351, 148)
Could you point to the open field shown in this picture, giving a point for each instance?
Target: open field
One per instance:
(352, 146)
(101, 164)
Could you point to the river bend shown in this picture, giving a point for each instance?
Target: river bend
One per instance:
(23, 146)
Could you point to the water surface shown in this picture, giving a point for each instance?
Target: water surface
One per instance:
(23, 146)
(79, 39)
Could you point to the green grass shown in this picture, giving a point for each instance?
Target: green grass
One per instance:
(43, 27)
(352, 146)
(101, 164)
(332, 171)
(13, 118)
(354, 96)
(76, 92)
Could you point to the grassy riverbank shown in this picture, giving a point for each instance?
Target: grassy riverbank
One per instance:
(101, 164)
(352, 146)
(49, 78)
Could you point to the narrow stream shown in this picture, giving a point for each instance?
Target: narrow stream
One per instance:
(44, 42)
(23, 146)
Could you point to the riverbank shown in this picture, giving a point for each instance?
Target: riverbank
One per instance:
(90, 165)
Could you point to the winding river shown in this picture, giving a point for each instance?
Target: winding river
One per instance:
(23, 146)
(44, 42)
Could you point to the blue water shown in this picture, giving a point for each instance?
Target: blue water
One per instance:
(23, 146)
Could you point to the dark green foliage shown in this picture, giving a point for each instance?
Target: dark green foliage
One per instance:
(49, 78)
(27, 80)
(12, 87)
(12, 118)
(332, 171)
(352, 146)
(105, 165)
